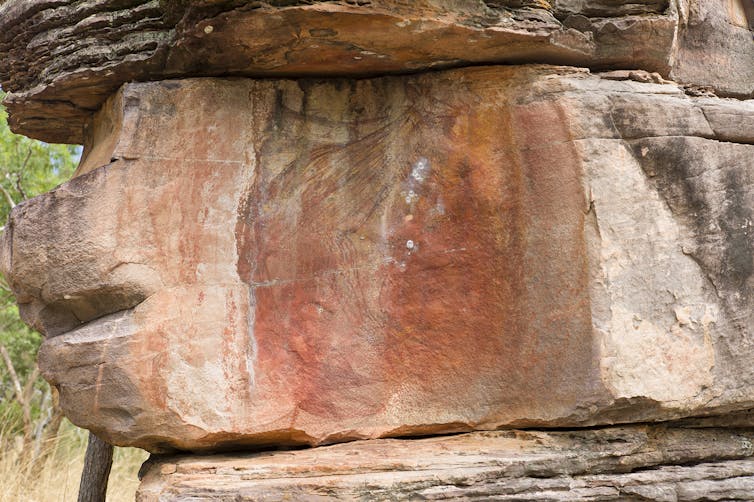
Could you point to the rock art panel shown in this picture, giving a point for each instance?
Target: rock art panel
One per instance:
(277, 262)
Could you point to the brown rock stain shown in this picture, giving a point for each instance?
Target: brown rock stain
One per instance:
(237, 357)
(555, 264)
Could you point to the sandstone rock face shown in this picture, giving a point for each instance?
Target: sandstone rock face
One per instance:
(64, 59)
(622, 463)
(287, 231)
(303, 262)
(716, 46)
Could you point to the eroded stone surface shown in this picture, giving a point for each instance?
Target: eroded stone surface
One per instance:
(63, 58)
(716, 46)
(288, 262)
(622, 463)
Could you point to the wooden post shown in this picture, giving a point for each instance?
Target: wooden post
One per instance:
(97, 464)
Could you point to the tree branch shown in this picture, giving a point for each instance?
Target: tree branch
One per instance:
(20, 395)
(18, 175)
(8, 197)
(29, 387)
(12, 370)
(97, 463)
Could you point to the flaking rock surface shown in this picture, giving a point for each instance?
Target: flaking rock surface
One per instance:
(660, 464)
(62, 59)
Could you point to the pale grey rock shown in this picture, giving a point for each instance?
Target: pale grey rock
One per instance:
(715, 46)
(652, 463)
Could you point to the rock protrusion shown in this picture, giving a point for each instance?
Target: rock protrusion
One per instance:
(63, 59)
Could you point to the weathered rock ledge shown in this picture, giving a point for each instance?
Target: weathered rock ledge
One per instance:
(64, 58)
(642, 462)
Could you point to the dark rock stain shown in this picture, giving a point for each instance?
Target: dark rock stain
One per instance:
(711, 202)
(736, 221)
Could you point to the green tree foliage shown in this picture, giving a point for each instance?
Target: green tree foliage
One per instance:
(27, 168)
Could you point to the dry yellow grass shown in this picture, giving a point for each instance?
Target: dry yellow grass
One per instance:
(57, 478)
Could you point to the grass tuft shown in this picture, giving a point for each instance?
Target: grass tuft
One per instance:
(55, 478)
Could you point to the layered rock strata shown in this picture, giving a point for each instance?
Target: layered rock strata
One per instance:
(298, 223)
(305, 262)
(63, 58)
(647, 463)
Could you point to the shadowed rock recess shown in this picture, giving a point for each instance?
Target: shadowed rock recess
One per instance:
(298, 223)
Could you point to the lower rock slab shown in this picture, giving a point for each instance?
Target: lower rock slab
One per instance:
(638, 462)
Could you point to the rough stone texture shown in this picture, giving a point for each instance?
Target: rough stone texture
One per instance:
(62, 58)
(627, 463)
(304, 262)
(716, 46)
(245, 263)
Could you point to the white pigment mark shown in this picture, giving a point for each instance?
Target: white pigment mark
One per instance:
(419, 172)
(252, 349)
(411, 196)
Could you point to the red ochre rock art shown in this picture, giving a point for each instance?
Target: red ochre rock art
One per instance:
(306, 262)
(298, 223)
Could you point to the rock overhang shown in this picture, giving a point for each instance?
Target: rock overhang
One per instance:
(64, 59)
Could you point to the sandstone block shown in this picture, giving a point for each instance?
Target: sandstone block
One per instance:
(276, 262)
